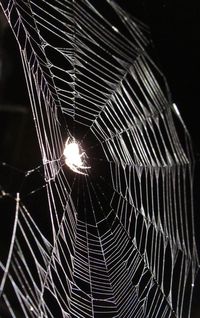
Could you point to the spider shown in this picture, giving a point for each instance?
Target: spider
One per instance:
(73, 158)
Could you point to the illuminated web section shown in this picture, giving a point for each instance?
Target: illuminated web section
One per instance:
(119, 241)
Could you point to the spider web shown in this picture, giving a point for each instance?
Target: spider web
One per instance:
(120, 241)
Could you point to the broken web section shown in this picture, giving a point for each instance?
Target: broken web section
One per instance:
(117, 241)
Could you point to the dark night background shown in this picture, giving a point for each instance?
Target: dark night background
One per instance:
(175, 31)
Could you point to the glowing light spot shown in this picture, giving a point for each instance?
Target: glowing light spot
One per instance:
(72, 154)
(115, 29)
(74, 158)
